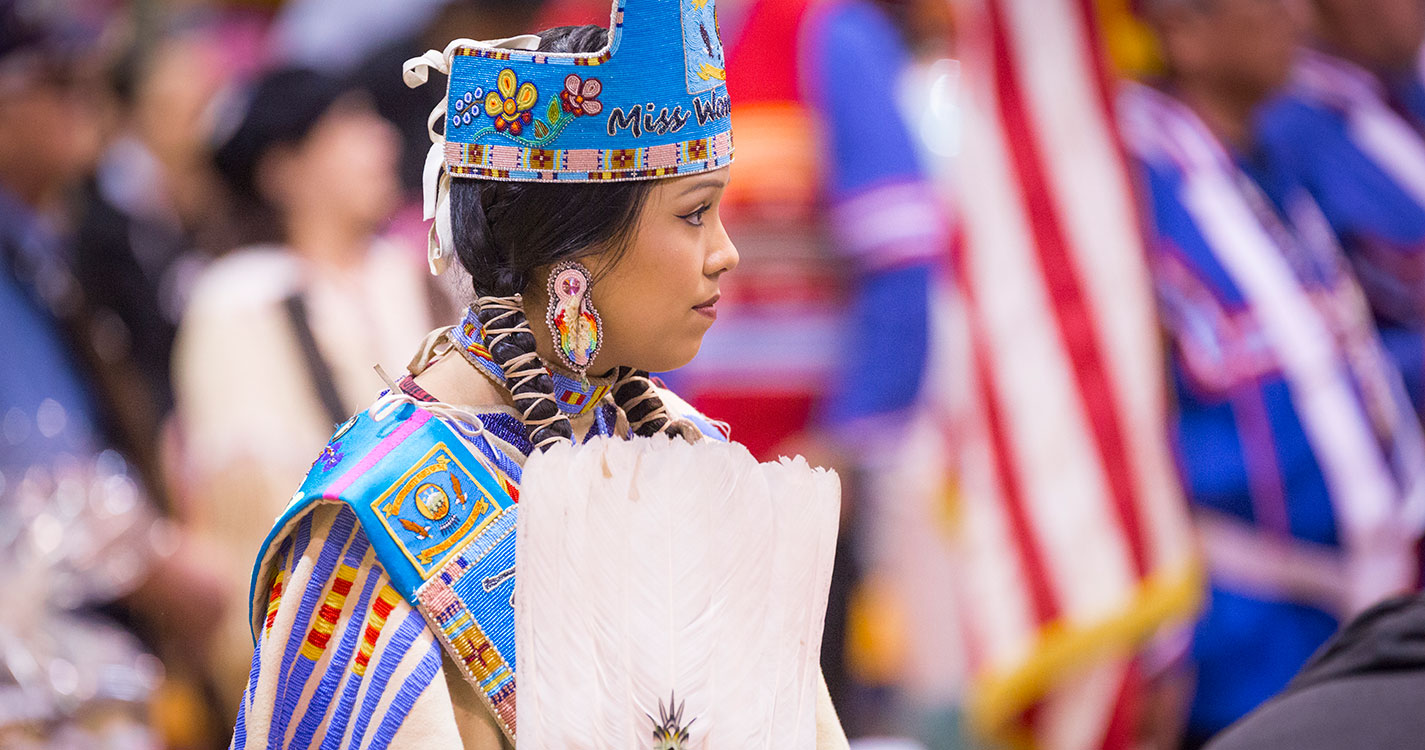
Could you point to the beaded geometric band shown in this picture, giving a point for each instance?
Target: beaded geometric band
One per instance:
(574, 398)
(512, 345)
(573, 322)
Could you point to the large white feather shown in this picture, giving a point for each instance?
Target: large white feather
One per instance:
(652, 570)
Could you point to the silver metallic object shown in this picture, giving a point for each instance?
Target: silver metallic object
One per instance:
(74, 534)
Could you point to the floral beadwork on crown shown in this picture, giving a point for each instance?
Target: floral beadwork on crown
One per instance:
(581, 95)
(652, 104)
(510, 106)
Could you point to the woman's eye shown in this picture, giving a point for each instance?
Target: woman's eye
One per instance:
(696, 218)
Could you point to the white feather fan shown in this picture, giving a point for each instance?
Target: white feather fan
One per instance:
(663, 584)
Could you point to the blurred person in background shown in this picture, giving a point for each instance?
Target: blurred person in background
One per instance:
(1351, 127)
(152, 203)
(1301, 454)
(336, 35)
(906, 634)
(1384, 37)
(77, 530)
(277, 344)
(1361, 689)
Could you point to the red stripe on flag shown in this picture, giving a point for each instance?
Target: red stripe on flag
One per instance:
(1106, 84)
(1105, 79)
(1098, 56)
(1036, 573)
(1075, 320)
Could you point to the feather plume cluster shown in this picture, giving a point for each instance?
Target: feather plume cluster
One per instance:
(671, 595)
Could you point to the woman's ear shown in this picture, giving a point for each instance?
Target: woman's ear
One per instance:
(536, 291)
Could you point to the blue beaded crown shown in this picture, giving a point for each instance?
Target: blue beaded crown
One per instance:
(652, 104)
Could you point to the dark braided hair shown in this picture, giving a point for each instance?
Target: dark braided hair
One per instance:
(633, 392)
(512, 345)
(505, 231)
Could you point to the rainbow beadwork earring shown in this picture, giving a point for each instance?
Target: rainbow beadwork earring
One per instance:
(574, 323)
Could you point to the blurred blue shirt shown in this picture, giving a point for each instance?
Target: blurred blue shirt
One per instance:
(46, 409)
(885, 215)
(1335, 131)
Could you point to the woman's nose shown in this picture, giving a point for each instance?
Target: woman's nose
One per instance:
(724, 257)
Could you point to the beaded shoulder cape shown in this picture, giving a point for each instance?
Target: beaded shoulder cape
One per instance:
(440, 515)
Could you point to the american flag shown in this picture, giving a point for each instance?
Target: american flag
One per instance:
(1075, 541)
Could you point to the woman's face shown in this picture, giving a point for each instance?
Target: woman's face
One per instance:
(659, 297)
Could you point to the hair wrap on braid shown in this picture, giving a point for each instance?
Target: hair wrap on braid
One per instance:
(635, 395)
(512, 346)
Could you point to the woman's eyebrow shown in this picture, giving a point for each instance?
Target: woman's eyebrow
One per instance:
(708, 182)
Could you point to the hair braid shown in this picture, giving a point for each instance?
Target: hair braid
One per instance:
(647, 416)
(512, 346)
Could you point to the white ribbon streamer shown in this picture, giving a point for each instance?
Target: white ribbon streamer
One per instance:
(435, 178)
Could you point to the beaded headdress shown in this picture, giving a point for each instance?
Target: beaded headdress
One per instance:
(652, 104)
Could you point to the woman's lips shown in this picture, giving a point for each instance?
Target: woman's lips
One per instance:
(709, 308)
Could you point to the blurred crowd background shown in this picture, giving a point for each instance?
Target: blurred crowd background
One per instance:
(210, 231)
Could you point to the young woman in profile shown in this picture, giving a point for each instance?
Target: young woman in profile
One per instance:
(384, 609)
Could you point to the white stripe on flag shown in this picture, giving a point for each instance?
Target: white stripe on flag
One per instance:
(1049, 51)
(1053, 451)
(1080, 148)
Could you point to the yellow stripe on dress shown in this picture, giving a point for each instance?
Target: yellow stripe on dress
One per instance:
(330, 612)
(380, 610)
